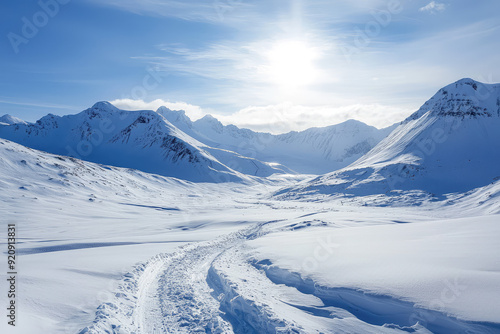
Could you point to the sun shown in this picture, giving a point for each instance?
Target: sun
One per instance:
(291, 63)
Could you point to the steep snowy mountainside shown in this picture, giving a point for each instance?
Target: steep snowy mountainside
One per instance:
(313, 151)
(466, 97)
(331, 147)
(177, 118)
(451, 144)
(104, 248)
(227, 154)
(9, 120)
(142, 140)
(27, 172)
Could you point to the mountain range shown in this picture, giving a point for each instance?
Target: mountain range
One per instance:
(450, 145)
(142, 140)
(312, 151)
(113, 236)
(168, 143)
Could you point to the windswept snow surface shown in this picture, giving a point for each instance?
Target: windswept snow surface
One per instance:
(111, 250)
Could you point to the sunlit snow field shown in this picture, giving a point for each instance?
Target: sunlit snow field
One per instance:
(150, 253)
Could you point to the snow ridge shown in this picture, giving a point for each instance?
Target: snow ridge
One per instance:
(328, 148)
(10, 120)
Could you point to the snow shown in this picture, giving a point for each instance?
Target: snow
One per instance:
(142, 140)
(446, 265)
(84, 228)
(9, 120)
(108, 249)
(313, 151)
(451, 145)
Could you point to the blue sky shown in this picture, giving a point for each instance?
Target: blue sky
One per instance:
(270, 65)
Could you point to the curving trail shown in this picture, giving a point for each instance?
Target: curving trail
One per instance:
(170, 293)
(213, 287)
(147, 307)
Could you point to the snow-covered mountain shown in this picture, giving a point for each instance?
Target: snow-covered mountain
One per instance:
(451, 144)
(313, 151)
(142, 140)
(167, 142)
(9, 120)
(36, 174)
(115, 250)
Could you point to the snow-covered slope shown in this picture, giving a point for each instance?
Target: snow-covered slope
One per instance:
(8, 119)
(143, 140)
(401, 274)
(329, 148)
(33, 174)
(313, 151)
(114, 250)
(451, 144)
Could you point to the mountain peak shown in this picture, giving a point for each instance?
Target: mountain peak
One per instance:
(104, 106)
(176, 117)
(209, 118)
(8, 119)
(463, 98)
(163, 110)
(352, 123)
(209, 121)
(99, 109)
(466, 81)
(468, 86)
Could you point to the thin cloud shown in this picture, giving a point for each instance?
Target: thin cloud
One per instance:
(40, 105)
(433, 7)
(192, 111)
(224, 12)
(283, 117)
(286, 117)
(219, 61)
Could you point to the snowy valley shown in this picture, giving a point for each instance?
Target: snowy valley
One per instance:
(148, 222)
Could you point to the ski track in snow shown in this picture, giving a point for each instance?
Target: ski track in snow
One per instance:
(214, 286)
(170, 293)
(202, 288)
(147, 305)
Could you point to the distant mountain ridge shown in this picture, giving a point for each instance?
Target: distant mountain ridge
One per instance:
(451, 144)
(312, 151)
(142, 140)
(9, 120)
(168, 143)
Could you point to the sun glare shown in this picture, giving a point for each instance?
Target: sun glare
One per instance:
(291, 63)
